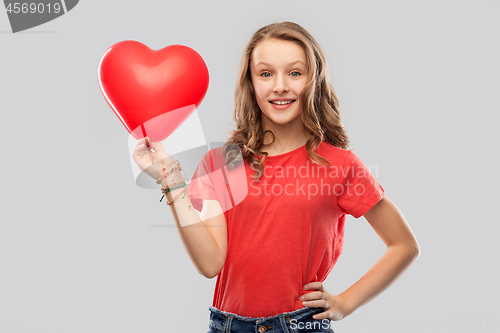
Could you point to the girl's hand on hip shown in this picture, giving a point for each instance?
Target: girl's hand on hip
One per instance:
(334, 305)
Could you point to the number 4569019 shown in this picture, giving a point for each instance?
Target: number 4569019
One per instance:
(33, 7)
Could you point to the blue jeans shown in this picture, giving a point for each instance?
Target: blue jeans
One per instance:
(298, 321)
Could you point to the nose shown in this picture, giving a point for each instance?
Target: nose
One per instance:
(280, 84)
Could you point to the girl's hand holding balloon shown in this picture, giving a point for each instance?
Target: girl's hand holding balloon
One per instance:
(334, 305)
(148, 156)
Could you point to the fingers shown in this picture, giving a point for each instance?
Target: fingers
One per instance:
(160, 153)
(155, 150)
(141, 141)
(139, 148)
(314, 285)
(312, 296)
(139, 152)
(322, 315)
(157, 146)
(142, 145)
(322, 303)
(146, 140)
(157, 154)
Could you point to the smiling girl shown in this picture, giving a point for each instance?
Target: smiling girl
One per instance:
(272, 237)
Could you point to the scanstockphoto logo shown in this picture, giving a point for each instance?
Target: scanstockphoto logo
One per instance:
(24, 15)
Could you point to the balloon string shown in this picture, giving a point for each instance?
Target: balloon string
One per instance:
(148, 146)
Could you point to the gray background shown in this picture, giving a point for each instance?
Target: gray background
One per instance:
(418, 86)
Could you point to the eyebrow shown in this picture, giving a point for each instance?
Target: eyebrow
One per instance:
(293, 63)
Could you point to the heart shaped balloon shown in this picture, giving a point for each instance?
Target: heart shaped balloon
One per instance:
(152, 92)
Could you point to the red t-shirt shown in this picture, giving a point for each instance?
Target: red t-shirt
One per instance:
(286, 230)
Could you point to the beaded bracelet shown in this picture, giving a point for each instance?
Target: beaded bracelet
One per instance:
(168, 189)
(177, 167)
(185, 191)
(174, 186)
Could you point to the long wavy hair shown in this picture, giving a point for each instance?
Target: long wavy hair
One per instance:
(320, 106)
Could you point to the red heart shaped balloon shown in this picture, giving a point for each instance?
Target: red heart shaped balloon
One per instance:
(152, 92)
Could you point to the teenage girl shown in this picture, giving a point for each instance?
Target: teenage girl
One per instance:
(272, 247)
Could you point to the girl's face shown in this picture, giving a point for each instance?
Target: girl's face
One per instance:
(279, 75)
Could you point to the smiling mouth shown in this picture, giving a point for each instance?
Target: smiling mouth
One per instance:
(281, 102)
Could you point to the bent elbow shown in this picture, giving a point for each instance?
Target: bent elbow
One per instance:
(415, 252)
(207, 274)
(214, 269)
(211, 274)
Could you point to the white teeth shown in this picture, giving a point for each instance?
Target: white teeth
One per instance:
(281, 102)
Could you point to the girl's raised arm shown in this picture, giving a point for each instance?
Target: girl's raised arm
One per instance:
(204, 237)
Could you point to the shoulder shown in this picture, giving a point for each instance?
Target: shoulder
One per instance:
(214, 153)
(334, 154)
(216, 157)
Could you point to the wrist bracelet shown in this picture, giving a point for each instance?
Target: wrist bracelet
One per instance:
(172, 201)
(178, 166)
(168, 189)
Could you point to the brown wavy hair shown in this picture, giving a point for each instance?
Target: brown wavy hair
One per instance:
(320, 106)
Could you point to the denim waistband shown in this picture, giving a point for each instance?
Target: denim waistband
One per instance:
(297, 314)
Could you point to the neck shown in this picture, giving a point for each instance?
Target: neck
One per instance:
(287, 136)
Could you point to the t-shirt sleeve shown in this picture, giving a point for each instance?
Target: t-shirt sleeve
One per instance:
(201, 186)
(360, 189)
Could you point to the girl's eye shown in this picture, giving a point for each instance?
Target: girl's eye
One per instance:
(295, 72)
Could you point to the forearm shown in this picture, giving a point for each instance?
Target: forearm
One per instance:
(387, 269)
(198, 242)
